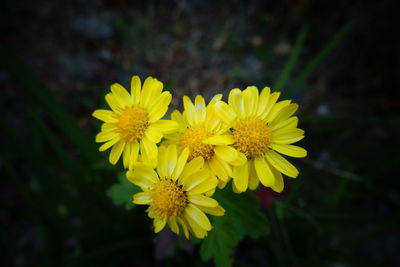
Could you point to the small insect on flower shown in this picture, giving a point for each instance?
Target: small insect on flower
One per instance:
(134, 125)
(261, 127)
(204, 135)
(175, 192)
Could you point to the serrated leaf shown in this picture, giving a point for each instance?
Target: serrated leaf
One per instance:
(219, 245)
(121, 193)
(243, 217)
(245, 208)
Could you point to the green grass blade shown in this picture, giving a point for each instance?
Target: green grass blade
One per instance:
(317, 59)
(291, 62)
(38, 94)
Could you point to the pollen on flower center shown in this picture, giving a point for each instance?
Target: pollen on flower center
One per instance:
(251, 137)
(193, 139)
(132, 123)
(168, 198)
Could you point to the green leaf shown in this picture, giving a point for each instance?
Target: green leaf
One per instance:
(121, 193)
(243, 217)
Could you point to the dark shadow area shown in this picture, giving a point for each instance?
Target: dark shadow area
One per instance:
(339, 60)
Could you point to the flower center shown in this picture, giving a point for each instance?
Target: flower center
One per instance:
(251, 137)
(168, 198)
(193, 139)
(132, 123)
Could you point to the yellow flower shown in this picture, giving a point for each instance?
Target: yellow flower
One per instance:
(134, 124)
(175, 193)
(261, 127)
(204, 135)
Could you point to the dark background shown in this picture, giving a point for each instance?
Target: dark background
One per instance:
(58, 59)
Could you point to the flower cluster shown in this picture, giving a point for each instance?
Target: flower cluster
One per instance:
(179, 163)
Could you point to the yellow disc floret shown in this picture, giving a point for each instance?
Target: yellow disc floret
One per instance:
(132, 123)
(168, 198)
(193, 139)
(251, 137)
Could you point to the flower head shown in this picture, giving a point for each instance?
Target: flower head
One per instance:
(175, 192)
(261, 127)
(203, 134)
(134, 125)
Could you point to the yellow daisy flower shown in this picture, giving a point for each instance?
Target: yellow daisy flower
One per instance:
(261, 127)
(134, 125)
(204, 135)
(175, 193)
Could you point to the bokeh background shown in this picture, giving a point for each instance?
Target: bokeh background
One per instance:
(338, 59)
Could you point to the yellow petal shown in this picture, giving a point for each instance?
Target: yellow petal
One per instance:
(194, 227)
(145, 177)
(116, 152)
(172, 159)
(153, 134)
(214, 100)
(195, 179)
(112, 102)
(159, 224)
(253, 177)
(109, 144)
(106, 136)
(215, 211)
(276, 109)
(235, 100)
(285, 113)
(198, 216)
(290, 150)
(212, 123)
(151, 90)
(189, 112)
(285, 124)
(226, 153)
(173, 225)
(165, 126)
(224, 112)
(202, 200)
(264, 172)
(142, 198)
(221, 184)
(180, 164)
(136, 86)
(279, 184)
(271, 102)
(149, 152)
(200, 109)
(106, 127)
(263, 101)
(240, 176)
(160, 107)
(250, 100)
(177, 116)
(184, 225)
(162, 166)
(205, 186)
(104, 115)
(134, 154)
(287, 136)
(121, 95)
(191, 167)
(281, 164)
(220, 140)
(218, 168)
(240, 160)
(126, 155)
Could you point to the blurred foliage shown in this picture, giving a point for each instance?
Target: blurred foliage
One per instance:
(56, 61)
